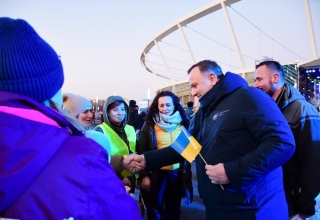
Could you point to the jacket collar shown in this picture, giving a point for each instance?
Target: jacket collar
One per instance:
(290, 95)
(224, 86)
(229, 83)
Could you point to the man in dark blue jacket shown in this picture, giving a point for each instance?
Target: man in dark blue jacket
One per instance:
(244, 138)
(301, 172)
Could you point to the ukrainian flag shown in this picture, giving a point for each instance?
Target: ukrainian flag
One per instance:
(186, 145)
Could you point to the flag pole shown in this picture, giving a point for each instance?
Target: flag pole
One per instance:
(201, 157)
(207, 164)
(139, 185)
(144, 206)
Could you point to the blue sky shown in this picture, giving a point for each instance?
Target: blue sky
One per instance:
(100, 41)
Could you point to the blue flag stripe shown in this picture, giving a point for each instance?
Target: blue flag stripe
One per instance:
(181, 143)
(185, 131)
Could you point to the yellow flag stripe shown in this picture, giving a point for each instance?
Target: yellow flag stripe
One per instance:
(189, 153)
(195, 143)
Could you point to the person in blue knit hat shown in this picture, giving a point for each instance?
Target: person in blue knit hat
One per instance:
(49, 170)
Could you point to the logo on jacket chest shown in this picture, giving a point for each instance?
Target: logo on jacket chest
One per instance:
(218, 114)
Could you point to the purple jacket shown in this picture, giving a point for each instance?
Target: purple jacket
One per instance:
(49, 170)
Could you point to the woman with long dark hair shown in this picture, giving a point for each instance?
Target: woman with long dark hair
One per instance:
(164, 187)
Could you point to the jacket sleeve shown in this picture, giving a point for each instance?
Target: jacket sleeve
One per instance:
(116, 163)
(274, 140)
(308, 155)
(107, 196)
(156, 159)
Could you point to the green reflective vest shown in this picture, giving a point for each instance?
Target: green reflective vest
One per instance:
(118, 146)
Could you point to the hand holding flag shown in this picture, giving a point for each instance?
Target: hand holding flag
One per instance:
(188, 147)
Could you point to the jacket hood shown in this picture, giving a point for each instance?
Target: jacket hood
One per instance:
(29, 129)
(226, 85)
(291, 95)
(229, 83)
(110, 100)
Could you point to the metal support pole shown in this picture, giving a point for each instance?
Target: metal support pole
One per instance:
(311, 32)
(164, 61)
(235, 42)
(187, 44)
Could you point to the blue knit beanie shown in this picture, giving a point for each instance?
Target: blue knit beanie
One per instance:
(28, 65)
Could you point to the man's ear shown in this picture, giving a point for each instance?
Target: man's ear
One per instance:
(276, 78)
(212, 78)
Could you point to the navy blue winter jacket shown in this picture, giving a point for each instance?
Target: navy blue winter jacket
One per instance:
(301, 172)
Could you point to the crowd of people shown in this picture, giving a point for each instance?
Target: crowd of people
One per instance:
(260, 145)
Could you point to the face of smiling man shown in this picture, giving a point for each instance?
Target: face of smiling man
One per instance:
(266, 79)
(201, 83)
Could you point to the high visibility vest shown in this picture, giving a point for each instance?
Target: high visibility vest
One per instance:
(118, 146)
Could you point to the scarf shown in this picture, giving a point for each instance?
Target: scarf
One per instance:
(168, 122)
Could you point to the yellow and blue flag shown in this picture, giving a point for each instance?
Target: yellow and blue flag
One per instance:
(186, 145)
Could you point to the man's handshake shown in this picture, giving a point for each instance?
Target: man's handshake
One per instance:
(134, 163)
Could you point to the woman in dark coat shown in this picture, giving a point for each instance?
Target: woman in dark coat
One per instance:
(166, 186)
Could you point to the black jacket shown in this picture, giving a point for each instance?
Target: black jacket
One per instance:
(133, 117)
(147, 142)
(302, 171)
(142, 116)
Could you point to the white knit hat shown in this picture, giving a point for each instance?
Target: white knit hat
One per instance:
(76, 104)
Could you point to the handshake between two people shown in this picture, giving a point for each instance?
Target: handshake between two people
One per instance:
(134, 163)
(216, 173)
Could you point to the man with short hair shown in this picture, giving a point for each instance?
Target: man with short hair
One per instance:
(301, 172)
(244, 144)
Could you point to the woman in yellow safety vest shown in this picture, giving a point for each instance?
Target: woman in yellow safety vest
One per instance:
(122, 136)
